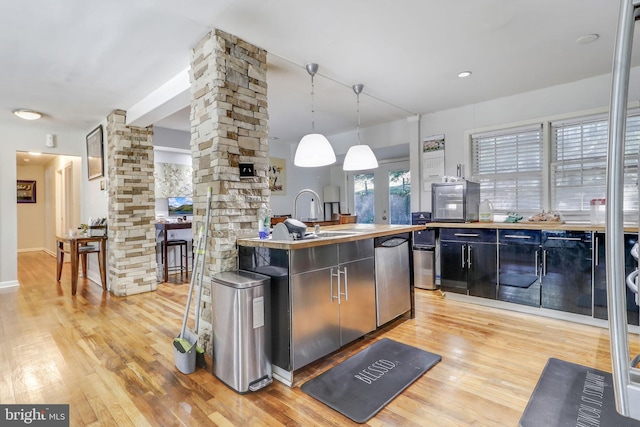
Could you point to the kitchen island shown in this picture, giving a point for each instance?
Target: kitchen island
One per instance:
(328, 290)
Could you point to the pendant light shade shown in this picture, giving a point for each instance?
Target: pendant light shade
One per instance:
(313, 149)
(361, 156)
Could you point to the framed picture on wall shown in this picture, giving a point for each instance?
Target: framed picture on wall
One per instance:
(95, 161)
(277, 176)
(26, 191)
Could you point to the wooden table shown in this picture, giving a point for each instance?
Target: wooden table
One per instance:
(75, 243)
(165, 227)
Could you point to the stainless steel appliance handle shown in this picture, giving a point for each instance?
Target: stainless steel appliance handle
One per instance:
(462, 255)
(465, 234)
(544, 262)
(346, 284)
(515, 236)
(332, 276)
(469, 256)
(575, 239)
(536, 262)
(614, 228)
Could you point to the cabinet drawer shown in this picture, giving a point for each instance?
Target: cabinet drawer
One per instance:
(565, 238)
(468, 235)
(314, 258)
(351, 251)
(519, 237)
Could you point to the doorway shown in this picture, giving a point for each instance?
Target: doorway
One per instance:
(382, 196)
(56, 208)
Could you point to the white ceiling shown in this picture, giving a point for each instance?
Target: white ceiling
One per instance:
(77, 60)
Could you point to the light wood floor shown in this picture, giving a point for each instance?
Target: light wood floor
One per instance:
(111, 359)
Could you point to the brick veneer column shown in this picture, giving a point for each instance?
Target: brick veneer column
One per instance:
(229, 125)
(131, 228)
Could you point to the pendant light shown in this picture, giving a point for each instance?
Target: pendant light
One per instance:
(359, 157)
(313, 149)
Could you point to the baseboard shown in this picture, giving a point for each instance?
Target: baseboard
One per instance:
(9, 284)
(32, 250)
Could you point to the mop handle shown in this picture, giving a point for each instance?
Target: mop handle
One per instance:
(193, 281)
(204, 251)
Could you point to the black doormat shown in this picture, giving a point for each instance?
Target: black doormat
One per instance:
(573, 395)
(517, 280)
(363, 384)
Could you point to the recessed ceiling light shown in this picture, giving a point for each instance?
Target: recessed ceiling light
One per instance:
(27, 114)
(587, 38)
(34, 153)
(464, 74)
(26, 160)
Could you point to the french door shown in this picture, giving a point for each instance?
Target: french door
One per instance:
(382, 196)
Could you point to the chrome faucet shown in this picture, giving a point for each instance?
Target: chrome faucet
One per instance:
(318, 205)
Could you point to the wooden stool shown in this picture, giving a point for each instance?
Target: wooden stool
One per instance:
(184, 253)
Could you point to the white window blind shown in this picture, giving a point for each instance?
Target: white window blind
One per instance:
(579, 162)
(508, 166)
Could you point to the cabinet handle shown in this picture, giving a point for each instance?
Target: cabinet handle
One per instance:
(465, 234)
(536, 262)
(462, 255)
(515, 236)
(469, 256)
(596, 253)
(346, 284)
(332, 276)
(544, 262)
(565, 238)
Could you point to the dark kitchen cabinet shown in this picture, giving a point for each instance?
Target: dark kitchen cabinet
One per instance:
(600, 278)
(566, 271)
(520, 266)
(469, 261)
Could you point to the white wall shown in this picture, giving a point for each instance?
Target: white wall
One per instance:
(297, 179)
(22, 137)
(564, 99)
(79, 176)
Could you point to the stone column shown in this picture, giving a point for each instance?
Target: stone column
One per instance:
(229, 126)
(131, 227)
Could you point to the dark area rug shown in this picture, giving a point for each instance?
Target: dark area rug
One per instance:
(573, 395)
(363, 384)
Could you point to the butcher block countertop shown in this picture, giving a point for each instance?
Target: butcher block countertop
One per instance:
(361, 231)
(528, 225)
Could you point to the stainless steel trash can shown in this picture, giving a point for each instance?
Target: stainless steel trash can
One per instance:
(240, 352)
(424, 264)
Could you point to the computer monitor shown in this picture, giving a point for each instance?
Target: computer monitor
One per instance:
(180, 206)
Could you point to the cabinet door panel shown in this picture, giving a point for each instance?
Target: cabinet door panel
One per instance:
(453, 267)
(566, 283)
(519, 280)
(600, 279)
(315, 316)
(358, 306)
(482, 270)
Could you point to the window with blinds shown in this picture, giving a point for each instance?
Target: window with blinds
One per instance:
(509, 167)
(579, 162)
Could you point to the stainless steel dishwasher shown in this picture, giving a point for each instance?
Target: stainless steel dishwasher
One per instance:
(393, 279)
